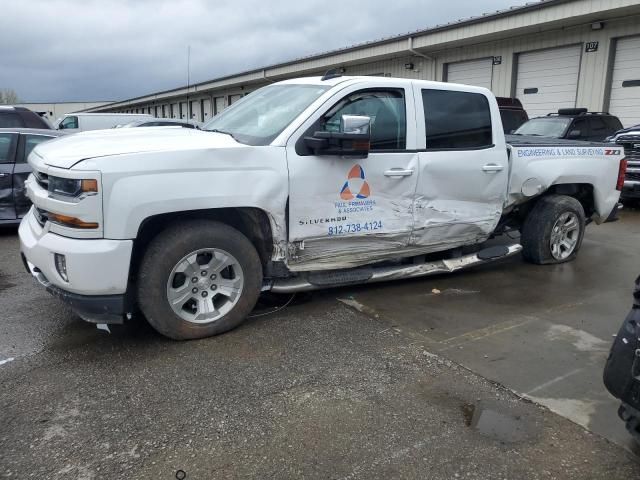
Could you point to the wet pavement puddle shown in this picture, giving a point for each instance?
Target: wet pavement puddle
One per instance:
(503, 427)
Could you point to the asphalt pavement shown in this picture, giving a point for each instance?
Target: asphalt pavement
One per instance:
(414, 379)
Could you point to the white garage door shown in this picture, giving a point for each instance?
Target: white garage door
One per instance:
(206, 108)
(625, 82)
(548, 79)
(474, 72)
(195, 111)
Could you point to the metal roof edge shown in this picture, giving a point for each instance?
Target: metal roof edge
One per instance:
(438, 28)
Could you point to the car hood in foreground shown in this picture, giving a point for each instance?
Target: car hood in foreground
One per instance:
(65, 152)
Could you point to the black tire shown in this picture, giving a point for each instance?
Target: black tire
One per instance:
(536, 231)
(163, 254)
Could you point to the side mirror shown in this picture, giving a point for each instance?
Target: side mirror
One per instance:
(355, 124)
(574, 134)
(353, 139)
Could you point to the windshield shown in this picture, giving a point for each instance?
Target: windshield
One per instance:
(545, 127)
(261, 116)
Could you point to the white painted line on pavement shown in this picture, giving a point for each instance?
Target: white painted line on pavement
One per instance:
(6, 360)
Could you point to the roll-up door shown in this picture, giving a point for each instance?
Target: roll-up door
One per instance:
(624, 96)
(548, 79)
(474, 72)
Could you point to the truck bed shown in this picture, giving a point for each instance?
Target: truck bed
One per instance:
(528, 140)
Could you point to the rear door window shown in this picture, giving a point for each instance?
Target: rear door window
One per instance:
(456, 120)
(7, 147)
(10, 120)
(30, 141)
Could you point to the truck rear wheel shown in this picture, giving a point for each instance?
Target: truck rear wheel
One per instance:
(553, 230)
(198, 278)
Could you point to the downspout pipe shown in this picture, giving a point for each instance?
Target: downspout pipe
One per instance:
(415, 52)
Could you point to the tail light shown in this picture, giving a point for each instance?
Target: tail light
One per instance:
(622, 171)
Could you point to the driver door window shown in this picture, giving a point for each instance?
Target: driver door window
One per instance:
(69, 122)
(387, 111)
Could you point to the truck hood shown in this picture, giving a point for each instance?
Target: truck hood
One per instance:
(65, 152)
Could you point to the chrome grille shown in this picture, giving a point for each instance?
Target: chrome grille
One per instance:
(631, 144)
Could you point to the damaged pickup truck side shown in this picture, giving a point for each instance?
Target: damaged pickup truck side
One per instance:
(303, 184)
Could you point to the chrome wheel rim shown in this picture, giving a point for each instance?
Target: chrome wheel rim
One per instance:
(564, 235)
(205, 285)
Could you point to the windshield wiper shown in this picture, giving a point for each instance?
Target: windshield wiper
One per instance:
(215, 130)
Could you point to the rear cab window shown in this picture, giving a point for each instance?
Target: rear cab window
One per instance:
(456, 120)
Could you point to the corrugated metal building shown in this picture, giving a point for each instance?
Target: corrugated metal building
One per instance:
(550, 54)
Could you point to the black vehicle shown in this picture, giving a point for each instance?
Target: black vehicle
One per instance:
(512, 113)
(629, 139)
(15, 146)
(622, 370)
(572, 124)
(20, 117)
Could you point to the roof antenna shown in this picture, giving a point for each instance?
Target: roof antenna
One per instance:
(188, 81)
(333, 73)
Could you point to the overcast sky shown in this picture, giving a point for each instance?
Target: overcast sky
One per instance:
(66, 50)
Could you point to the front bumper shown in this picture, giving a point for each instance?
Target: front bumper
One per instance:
(97, 270)
(631, 190)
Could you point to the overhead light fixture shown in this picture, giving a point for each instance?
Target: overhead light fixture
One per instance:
(597, 25)
(408, 66)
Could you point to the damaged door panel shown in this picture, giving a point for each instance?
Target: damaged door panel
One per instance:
(347, 210)
(7, 155)
(463, 169)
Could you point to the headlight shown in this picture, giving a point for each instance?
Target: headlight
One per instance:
(70, 187)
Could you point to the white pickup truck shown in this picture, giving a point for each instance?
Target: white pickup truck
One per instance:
(304, 184)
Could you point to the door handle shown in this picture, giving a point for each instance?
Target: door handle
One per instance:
(492, 167)
(398, 172)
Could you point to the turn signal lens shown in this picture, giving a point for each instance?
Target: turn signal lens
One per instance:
(68, 221)
(89, 186)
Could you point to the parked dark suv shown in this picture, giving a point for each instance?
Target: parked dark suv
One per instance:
(512, 113)
(572, 124)
(20, 117)
(15, 146)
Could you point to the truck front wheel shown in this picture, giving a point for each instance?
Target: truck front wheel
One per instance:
(198, 278)
(553, 230)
